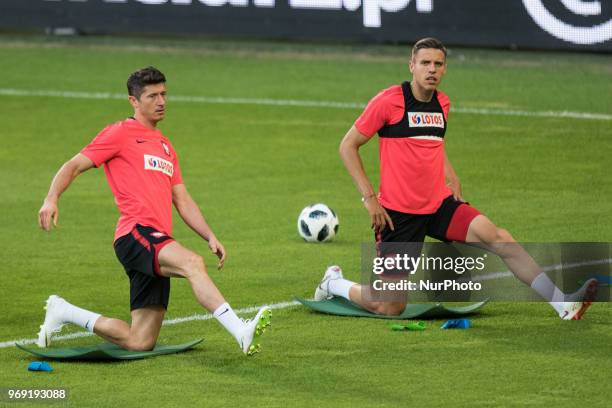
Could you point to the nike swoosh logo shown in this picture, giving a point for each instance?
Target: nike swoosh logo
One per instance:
(222, 313)
(87, 325)
(140, 141)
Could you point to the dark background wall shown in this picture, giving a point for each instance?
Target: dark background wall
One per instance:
(532, 24)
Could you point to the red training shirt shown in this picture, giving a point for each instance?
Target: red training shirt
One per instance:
(141, 167)
(411, 168)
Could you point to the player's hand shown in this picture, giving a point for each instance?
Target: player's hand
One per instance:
(48, 214)
(379, 217)
(218, 249)
(455, 187)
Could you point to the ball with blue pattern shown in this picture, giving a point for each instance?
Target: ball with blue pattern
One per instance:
(317, 223)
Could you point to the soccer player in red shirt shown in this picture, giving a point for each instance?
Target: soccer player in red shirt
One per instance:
(420, 193)
(143, 173)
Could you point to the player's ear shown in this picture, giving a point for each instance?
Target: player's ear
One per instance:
(133, 101)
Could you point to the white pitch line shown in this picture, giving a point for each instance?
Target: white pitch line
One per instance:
(539, 114)
(549, 268)
(284, 305)
(208, 316)
(178, 320)
(298, 102)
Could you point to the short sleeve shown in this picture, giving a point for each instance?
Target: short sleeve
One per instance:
(177, 177)
(105, 145)
(444, 101)
(374, 116)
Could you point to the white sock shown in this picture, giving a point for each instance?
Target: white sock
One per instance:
(340, 287)
(228, 319)
(80, 317)
(547, 289)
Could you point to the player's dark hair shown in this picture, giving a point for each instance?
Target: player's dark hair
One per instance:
(143, 77)
(428, 42)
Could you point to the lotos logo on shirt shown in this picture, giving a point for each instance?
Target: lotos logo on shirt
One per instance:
(158, 164)
(426, 119)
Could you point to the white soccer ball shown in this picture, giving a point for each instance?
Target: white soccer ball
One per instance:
(317, 223)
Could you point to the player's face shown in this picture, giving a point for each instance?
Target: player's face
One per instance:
(152, 103)
(428, 67)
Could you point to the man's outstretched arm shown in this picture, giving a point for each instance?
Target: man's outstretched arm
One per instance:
(63, 178)
(193, 217)
(349, 152)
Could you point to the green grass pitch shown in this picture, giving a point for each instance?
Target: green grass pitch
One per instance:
(252, 168)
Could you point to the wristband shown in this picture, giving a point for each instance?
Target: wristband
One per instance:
(364, 199)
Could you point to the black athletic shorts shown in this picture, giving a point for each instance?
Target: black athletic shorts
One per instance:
(137, 252)
(449, 223)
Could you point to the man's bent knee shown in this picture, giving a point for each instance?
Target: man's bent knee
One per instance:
(389, 308)
(488, 234)
(493, 235)
(140, 345)
(503, 236)
(193, 264)
(176, 260)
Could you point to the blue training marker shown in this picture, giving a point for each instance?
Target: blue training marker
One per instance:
(603, 279)
(456, 324)
(40, 366)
